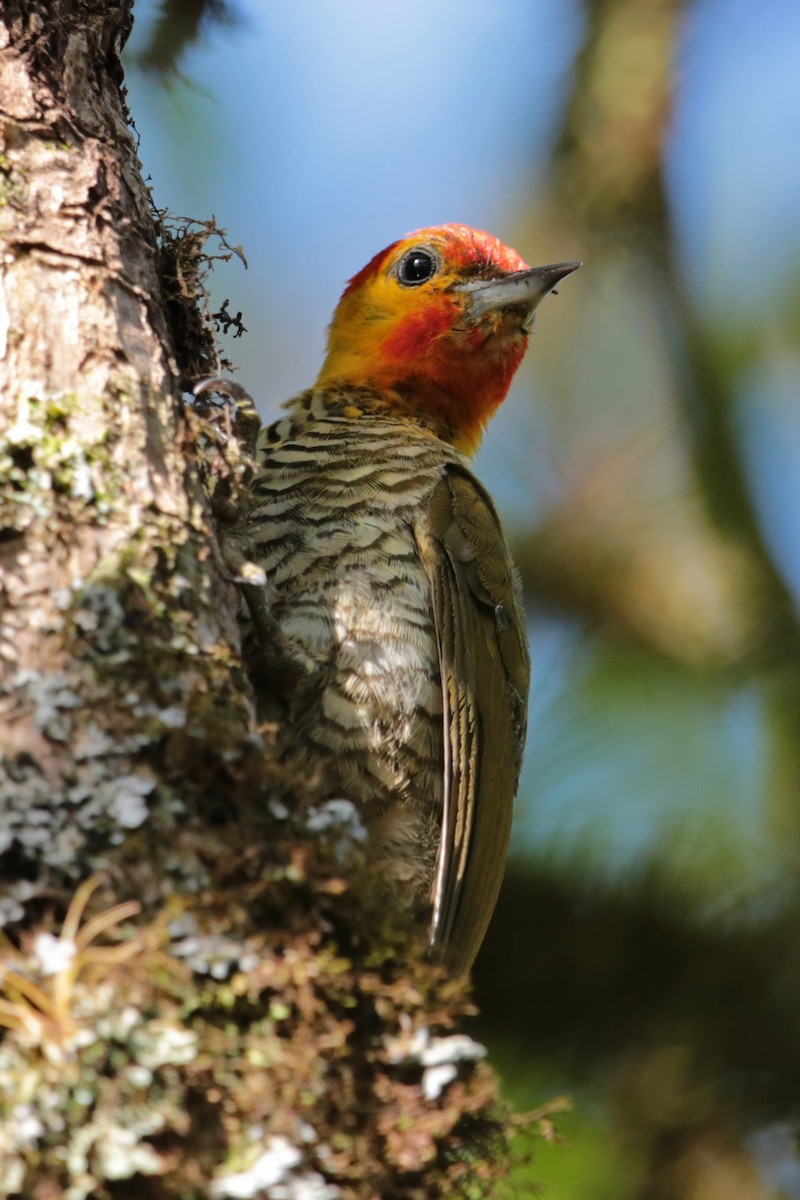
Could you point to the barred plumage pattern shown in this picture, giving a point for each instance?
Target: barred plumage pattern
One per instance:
(405, 656)
(335, 504)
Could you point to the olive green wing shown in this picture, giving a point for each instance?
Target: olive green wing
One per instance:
(485, 669)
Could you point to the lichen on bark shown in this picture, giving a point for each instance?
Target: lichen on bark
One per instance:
(106, 552)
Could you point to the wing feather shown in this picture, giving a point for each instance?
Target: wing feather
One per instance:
(484, 666)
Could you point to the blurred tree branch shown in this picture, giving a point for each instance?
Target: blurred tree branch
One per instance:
(608, 187)
(179, 26)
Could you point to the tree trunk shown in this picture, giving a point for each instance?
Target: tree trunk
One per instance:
(116, 626)
(225, 1022)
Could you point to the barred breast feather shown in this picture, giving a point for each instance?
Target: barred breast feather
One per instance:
(390, 584)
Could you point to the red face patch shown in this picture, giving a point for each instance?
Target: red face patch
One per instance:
(414, 334)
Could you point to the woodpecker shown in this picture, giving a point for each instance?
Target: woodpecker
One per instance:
(398, 652)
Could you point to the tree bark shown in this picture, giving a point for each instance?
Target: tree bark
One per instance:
(115, 623)
(194, 1003)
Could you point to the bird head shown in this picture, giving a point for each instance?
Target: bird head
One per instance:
(437, 324)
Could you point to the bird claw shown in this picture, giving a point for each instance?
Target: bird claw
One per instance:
(224, 387)
(247, 422)
(249, 573)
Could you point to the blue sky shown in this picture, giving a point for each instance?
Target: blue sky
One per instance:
(734, 159)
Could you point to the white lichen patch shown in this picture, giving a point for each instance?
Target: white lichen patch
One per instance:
(308, 1185)
(81, 484)
(453, 1049)
(16, 895)
(53, 700)
(273, 1173)
(438, 1056)
(212, 954)
(93, 742)
(339, 816)
(171, 716)
(125, 798)
(159, 1042)
(51, 828)
(23, 431)
(436, 1079)
(112, 1146)
(269, 1168)
(120, 1153)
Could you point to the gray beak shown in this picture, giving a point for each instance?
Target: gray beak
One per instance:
(523, 288)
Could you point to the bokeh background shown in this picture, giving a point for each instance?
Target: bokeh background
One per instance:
(645, 957)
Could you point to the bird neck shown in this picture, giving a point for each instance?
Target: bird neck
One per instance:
(455, 410)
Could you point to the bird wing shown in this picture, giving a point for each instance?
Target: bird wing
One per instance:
(483, 657)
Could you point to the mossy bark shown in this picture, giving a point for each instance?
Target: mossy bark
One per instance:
(118, 630)
(194, 1003)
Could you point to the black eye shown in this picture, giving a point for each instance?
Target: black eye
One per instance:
(415, 267)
